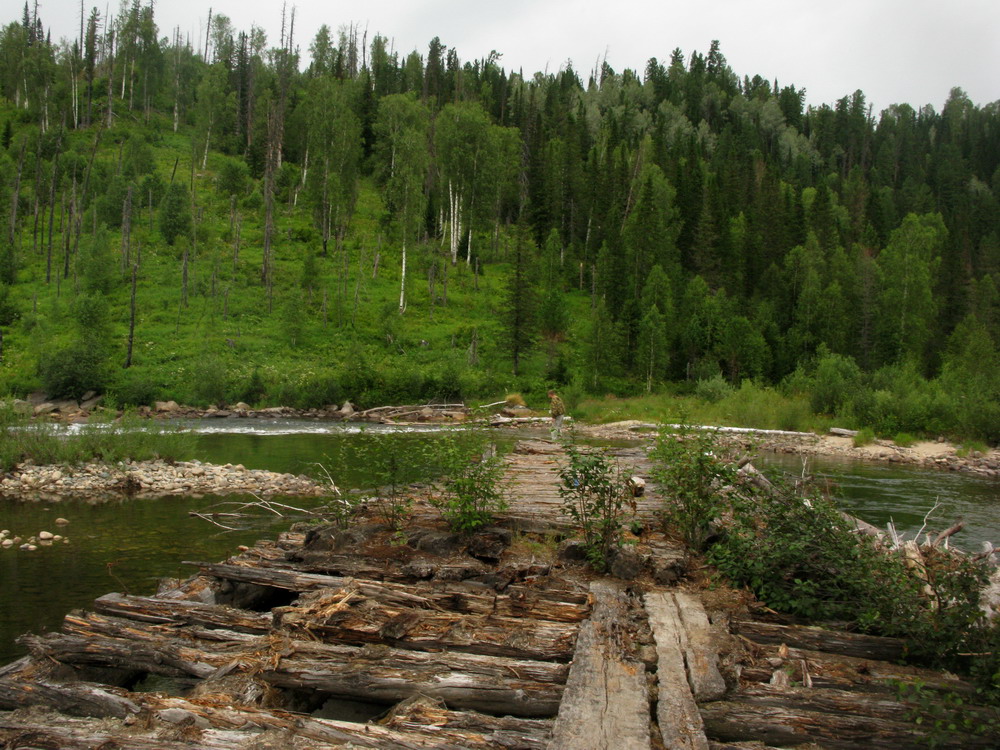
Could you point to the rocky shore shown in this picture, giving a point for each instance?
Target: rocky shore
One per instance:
(151, 478)
(931, 454)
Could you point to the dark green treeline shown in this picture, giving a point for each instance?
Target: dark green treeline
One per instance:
(681, 223)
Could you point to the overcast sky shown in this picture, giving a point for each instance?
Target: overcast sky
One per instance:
(911, 51)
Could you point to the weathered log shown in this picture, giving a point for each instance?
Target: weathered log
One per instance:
(848, 672)
(174, 612)
(348, 616)
(421, 714)
(66, 733)
(373, 673)
(876, 705)
(517, 601)
(843, 432)
(677, 714)
(606, 703)
(76, 698)
(490, 684)
(832, 641)
(446, 734)
(166, 659)
(736, 721)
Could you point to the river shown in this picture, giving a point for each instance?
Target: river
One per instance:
(127, 545)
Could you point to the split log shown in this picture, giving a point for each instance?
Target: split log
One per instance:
(76, 698)
(606, 703)
(348, 616)
(736, 721)
(832, 641)
(149, 609)
(681, 726)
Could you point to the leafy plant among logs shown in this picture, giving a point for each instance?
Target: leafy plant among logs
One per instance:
(474, 485)
(798, 553)
(596, 493)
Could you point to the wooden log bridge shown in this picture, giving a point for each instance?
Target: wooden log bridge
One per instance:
(341, 638)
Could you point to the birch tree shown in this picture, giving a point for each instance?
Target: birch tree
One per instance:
(402, 160)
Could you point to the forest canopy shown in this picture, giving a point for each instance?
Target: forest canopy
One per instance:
(244, 222)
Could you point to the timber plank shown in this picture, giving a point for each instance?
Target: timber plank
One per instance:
(681, 726)
(606, 704)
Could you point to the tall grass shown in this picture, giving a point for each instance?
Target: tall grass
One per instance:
(750, 405)
(105, 439)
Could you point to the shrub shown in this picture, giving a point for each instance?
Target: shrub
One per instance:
(72, 370)
(713, 389)
(691, 470)
(595, 493)
(863, 437)
(473, 482)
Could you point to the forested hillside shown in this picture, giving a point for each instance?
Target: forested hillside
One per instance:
(247, 221)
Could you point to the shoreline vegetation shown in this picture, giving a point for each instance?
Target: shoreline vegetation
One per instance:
(150, 437)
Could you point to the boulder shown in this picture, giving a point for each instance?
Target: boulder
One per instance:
(67, 406)
(166, 406)
(242, 406)
(38, 397)
(347, 409)
(45, 408)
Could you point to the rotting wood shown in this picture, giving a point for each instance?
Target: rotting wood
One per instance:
(828, 670)
(517, 601)
(381, 674)
(700, 649)
(154, 610)
(422, 714)
(858, 645)
(736, 720)
(606, 704)
(681, 726)
(75, 699)
(875, 705)
(347, 616)
(372, 673)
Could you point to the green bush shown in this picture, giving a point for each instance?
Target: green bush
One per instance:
(595, 493)
(73, 369)
(864, 436)
(713, 389)
(691, 469)
(473, 480)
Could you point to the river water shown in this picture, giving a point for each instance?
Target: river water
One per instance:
(128, 545)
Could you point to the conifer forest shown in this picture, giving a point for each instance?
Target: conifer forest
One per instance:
(312, 219)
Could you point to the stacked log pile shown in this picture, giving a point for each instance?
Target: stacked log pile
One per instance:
(449, 650)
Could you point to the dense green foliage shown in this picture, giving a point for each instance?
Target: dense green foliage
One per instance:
(383, 227)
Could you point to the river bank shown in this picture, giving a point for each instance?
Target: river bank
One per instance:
(932, 454)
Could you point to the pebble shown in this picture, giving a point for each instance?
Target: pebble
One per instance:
(45, 536)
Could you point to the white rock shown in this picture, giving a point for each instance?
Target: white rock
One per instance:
(7, 543)
(45, 535)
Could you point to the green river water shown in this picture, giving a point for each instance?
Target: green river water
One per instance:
(127, 545)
